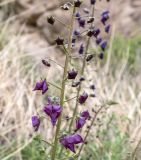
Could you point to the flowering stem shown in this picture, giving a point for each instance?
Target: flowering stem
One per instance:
(87, 133)
(54, 149)
(81, 74)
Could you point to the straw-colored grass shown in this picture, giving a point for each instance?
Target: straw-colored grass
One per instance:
(19, 71)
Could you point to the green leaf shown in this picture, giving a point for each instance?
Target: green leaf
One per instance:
(111, 102)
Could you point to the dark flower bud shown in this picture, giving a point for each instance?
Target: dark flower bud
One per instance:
(90, 20)
(81, 49)
(93, 2)
(90, 33)
(67, 118)
(103, 45)
(75, 84)
(51, 20)
(82, 79)
(77, 3)
(65, 7)
(35, 123)
(86, 10)
(101, 56)
(83, 98)
(72, 74)
(46, 63)
(98, 41)
(59, 41)
(82, 23)
(107, 28)
(92, 87)
(89, 57)
(96, 32)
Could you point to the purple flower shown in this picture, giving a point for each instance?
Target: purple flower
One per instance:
(42, 85)
(93, 2)
(69, 141)
(83, 98)
(103, 45)
(81, 49)
(72, 74)
(35, 123)
(82, 119)
(98, 41)
(85, 114)
(80, 123)
(104, 17)
(96, 32)
(76, 33)
(107, 28)
(73, 42)
(82, 23)
(53, 111)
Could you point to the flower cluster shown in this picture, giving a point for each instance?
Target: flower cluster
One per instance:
(55, 105)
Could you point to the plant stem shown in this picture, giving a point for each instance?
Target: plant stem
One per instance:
(87, 133)
(54, 149)
(81, 74)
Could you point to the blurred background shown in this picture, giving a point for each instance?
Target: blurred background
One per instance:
(26, 39)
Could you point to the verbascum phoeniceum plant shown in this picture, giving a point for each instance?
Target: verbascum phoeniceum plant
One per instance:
(82, 32)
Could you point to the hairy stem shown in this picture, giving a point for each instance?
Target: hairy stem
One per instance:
(54, 149)
(81, 74)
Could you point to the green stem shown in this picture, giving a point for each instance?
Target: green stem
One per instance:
(81, 74)
(54, 149)
(87, 133)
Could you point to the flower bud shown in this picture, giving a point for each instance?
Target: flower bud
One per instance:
(59, 41)
(77, 3)
(89, 57)
(72, 74)
(51, 20)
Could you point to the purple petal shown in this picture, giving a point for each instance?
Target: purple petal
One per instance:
(85, 114)
(45, 87)
(80, 122)
(35, 122)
